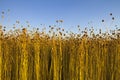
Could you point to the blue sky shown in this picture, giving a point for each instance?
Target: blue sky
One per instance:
(86, 13)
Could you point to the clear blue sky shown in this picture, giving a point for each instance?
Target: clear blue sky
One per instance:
(73, 12)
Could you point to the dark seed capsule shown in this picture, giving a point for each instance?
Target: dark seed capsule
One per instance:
(60, 33)
(4, 27)
(56, 21)
(52, 27)
(78, 26)
(102, 20)
(37, 28)
(62, 29)
(49, 26)
(110, 14)
(2, 12)
(113, 18)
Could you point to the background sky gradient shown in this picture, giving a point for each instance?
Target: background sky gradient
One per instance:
(86, 13)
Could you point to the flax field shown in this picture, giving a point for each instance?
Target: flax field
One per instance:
(59, 55)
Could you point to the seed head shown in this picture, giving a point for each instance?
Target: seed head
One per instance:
(4, 26)
(37, 28)
(56, 21)
(49, 31)
(60, 33)
(52, 27)
(17, 22)
(102, 20)
(61, 21)
(113, 18)
(59, 28)
(28, 25)
(24, 30)
(49, 26)
(110, 14)
(2, 12)
(78, 26)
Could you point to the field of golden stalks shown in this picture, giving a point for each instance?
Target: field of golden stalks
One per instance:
(58, 56)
